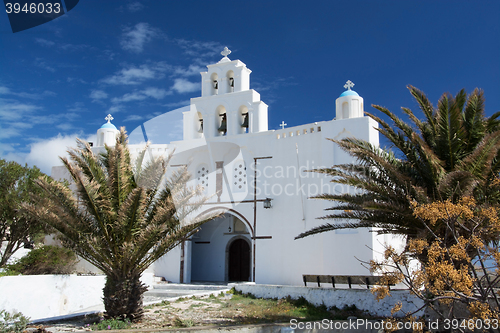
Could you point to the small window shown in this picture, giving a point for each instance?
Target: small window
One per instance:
(239, 179)
(201, 176)
(319, 128)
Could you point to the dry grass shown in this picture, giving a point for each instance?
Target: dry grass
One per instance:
(236, 309)
(221, 310)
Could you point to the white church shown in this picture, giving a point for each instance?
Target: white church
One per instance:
(258, 177)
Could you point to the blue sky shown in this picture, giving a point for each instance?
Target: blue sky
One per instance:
(139, 59)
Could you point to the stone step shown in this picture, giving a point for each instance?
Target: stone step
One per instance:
(193, 287)
(175, 293)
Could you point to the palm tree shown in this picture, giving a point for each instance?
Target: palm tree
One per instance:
(455, 151)
(122, 219)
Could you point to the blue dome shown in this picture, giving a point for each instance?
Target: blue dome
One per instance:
(108, 125)
(349, 93)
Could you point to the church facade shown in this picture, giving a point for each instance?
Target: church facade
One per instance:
(259, 178)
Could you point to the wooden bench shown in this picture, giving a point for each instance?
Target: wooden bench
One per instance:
(368, 280)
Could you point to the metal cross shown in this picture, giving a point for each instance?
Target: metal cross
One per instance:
(226, 51)
(109, 118)
(283, 124)
(348, 85)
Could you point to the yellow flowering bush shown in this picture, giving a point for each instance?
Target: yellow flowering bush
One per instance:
(460, 273)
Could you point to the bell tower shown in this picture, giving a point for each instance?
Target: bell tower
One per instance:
(349, 104)
(227, 105)
(106, 135)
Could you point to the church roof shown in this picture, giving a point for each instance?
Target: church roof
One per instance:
(108, 125)
(349, 93)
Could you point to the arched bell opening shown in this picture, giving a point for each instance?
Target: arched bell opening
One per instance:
(214, 78)
(230, 81)
(243, 117)
(221, 120)
(199, 124)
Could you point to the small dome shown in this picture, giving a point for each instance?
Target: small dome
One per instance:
(349, 93)
(109, 125)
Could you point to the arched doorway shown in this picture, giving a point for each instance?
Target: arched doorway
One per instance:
(210, 248)
(239, 260)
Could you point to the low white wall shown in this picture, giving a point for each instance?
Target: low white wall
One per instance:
(362, 298)
(45, 296)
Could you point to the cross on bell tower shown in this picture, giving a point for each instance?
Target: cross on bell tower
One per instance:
(348, 85)
(226, 51)
(109, 117)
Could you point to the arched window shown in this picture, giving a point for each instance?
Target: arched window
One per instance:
(345, 110)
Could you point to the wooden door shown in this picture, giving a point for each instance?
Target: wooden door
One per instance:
(239, 261)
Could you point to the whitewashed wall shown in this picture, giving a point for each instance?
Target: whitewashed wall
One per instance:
(45, 296)
(363, 299)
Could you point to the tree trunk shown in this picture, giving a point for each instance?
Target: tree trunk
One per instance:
(123, 297)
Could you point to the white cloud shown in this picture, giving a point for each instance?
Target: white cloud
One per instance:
(135, 96)
(45, 153)
(135, 7)
(133, 39)
(190, 71)
(71, 79)
(9, 132)
(133, 117)
(65, 127)
(200, 49)
(11, 110)
(155, 92)
(44, 42)
(115, 109)
(98, 95)
(136, 75)
(152, 92)
(73, 47)
(39, 62)
(6, 91)
(184, 86)
(177, 104)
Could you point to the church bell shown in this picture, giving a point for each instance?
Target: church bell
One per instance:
(223, 125)
(245, 120)
(201, 126)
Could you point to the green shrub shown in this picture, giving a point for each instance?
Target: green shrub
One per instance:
(46, 260)
(183, 323)
(111, 324)
(15, 322)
